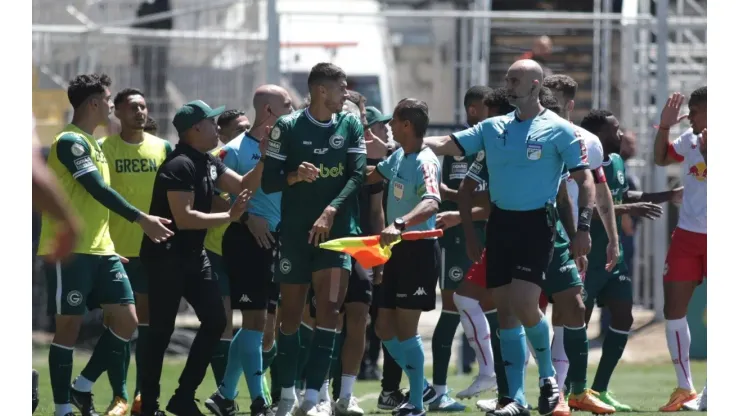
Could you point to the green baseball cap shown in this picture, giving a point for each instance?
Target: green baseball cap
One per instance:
(192, 113)
(373, 115)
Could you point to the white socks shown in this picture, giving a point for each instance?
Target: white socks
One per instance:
(324, 392)
(348, 384)
(82, 384)
(559, 358)
(679, 342)
(477, 331)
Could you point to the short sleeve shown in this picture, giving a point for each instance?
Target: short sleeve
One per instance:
(470, 140)
(357, 136)
(384, 168)
(230, 157)
(572, 147)
(428, 179)
(178, 175)
(74, 153)
(478, 170)
(277, 146)
(680, 147)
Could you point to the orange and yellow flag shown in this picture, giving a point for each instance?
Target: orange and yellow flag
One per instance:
(367, 250)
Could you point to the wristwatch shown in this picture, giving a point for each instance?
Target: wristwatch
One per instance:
(400, 224)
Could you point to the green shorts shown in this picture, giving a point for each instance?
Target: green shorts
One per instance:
(137, 275)
(455, 262)
(562, 273)
(602, 286)
(218, 271)
(296, 259)
(84, 280)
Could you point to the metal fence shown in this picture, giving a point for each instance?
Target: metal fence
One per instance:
(625, 61)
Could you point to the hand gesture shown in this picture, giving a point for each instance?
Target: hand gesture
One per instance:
(447, 219)
(240, 205)
(307, 172)
(581, 244)
(376, 148)
(612, 255)
(154, 227)
(669, 117)
(389, 235)
(260, 229)
(320, 230)
(646, 210)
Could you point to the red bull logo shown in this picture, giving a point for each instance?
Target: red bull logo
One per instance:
(699, 171)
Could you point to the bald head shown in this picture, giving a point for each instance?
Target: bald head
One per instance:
(523, 83)
(527, 69)
(271, 101)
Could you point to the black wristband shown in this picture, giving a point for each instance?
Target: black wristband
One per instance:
(584, 218)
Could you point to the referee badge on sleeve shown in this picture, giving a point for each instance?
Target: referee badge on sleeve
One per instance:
(534, 151)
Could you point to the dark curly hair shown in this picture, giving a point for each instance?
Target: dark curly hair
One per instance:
(85, 85)
(125, 93)
(595, 120)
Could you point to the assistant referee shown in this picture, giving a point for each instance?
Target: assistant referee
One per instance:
(183, 190)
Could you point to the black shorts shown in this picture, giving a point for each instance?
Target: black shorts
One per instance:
(249, 267)
(519, 245)
(410, 276)
(360, 287)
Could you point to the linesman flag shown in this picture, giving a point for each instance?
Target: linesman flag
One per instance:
(367, 250)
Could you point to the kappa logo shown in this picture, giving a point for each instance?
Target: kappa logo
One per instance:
(336, 141)
(74, 298)
(420, 292)
(285, 266)
(245, 299)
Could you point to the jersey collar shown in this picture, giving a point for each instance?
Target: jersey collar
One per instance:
(190, 151)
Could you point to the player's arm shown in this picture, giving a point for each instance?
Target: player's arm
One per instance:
(382, 171)
(356, 165)
(274, 178)
(466, 142)
(653, 197)
(74, 153)
(565, 210)
(472, 205)
(605, 205)
(428, 179)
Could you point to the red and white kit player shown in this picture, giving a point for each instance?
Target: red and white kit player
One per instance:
(686, 262)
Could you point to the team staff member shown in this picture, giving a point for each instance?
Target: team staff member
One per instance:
(134, 158)
(248, 256)
(183, 191)
(525, 156)
(410, 276)
(231, 124)
(95, 275)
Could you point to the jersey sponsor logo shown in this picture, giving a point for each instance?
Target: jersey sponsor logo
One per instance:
(458, 170)
(74, 298)
(285, 266)
(534, 151)
(455, 274)
(320, 151)
(336, 141)
(135, 165)
(567, 267)
(275, 133)
(699, 171)
(77, 149)
(213, 173)
(331, 172)
(479, 157)
(273, 146)
(476, 168)
(83, 163)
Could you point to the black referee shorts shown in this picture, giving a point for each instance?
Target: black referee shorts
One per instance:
(249, 267)
(410, 276)
(519, 245)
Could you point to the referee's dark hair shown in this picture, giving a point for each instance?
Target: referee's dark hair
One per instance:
(151, 126)
(125, 93)
(497, 99)
(323, 72)
(595, 120)
(228, 116)
(476, 93)
(548, 100)
(414, 111)
(85, 85)
(562, 83)
(699, 96)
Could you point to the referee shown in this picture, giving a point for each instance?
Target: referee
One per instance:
(525, 153)
(183, 190)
